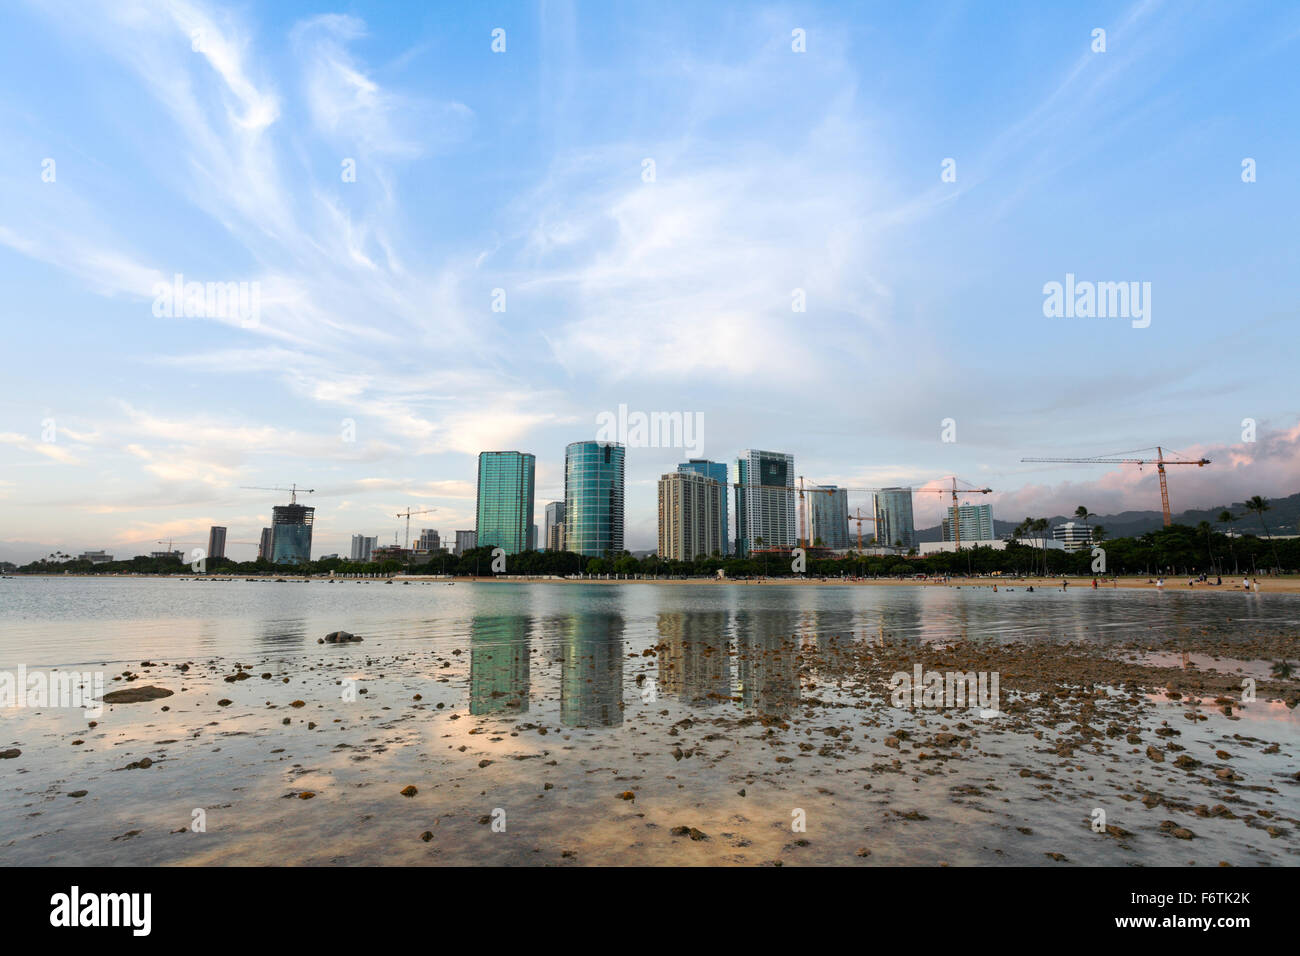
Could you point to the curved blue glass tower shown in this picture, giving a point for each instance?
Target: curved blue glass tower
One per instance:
(593, 497)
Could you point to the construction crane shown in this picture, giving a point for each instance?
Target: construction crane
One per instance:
(407, 514)
(956, 514)
(859, 517)
(293, 490)
(954, 491)
(1159, 461)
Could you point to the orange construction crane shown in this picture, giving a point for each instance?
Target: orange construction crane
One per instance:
(859, 517)
(954, 491)
(1159, 461)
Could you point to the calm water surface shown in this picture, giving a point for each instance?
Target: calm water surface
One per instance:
(47, 622)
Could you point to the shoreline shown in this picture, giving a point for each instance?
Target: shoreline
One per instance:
(1286, 584)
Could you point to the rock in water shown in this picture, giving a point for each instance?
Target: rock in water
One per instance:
(341, 637)
(134, 695)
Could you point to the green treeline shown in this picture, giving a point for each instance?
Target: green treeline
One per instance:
(1176, 550)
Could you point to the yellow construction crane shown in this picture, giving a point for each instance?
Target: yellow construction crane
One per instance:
(1159, 461)
(407, 515)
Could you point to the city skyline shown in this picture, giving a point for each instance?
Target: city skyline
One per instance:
(867, 500)
(366, 174)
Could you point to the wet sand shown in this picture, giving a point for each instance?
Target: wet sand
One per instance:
(598, 752)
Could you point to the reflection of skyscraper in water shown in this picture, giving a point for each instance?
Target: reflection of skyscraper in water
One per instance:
(767, 670)
(498, 664)
(693, 662)
(591, 674)
(832, 639)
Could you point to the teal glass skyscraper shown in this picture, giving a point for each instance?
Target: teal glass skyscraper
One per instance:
(505, 500)
(593, 497)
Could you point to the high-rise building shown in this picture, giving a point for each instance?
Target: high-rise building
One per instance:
(264, 546)
(1073, 535)
(291, 533)
(717, 470)
(975, 522)
(466, 541)
(554, 526)
(95, 557)
(505, 500)
(429, 541)
(216, 542)
(363, 546)
(593, 497)
(894, 527)
(828, 517)
(765, 503)
(691, 507)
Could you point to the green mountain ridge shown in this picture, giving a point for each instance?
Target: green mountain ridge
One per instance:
(1282, 518)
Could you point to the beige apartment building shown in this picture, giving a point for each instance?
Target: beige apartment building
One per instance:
(691, 516)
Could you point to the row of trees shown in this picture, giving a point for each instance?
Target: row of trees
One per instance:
(1179, 549)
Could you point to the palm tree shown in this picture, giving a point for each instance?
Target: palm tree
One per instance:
(1099, 533)
(1283, 670)
(1226, 518)
(1205, 529)
(1083, 514)
(1259, 505)
(1040, 528)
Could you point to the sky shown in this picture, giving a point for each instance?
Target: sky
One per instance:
(821, 229)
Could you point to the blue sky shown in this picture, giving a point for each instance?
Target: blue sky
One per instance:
(523, 170)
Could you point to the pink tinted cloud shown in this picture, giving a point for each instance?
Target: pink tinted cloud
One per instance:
(1270, 466)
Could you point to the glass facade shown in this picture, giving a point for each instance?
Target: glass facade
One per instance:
(291, 534)
(593, 497)
(505, 500)
(894, 518)
(828, 518)
(765, 501)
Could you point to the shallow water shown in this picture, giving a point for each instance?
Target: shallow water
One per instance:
(54, 622)
(733, 709)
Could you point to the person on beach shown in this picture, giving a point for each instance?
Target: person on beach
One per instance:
(1094, 584)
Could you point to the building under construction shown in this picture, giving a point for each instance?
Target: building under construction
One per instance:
(291, 533)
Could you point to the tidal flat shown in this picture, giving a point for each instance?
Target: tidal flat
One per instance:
(649, 725)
